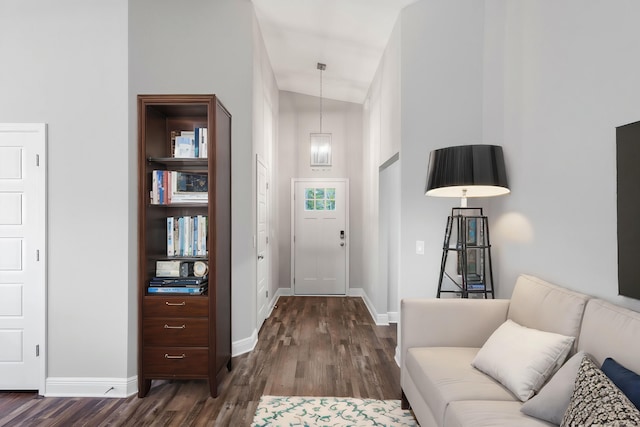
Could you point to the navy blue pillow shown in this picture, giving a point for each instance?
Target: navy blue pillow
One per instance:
(626, 380)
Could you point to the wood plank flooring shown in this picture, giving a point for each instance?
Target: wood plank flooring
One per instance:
(309, 346)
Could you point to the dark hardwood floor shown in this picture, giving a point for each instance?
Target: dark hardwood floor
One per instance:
(309, 346)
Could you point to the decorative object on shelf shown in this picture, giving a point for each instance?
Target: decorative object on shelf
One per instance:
(467, 171)
(200, 268)
(320, 143)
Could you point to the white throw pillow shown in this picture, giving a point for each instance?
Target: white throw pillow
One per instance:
(521, 358)
(552, 401)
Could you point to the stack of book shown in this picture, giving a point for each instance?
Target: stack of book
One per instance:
(178, 285)
(178, 187)
(190, 144)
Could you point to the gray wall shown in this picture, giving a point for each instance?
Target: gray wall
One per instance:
(567, 77)
(83, 82)
(65, 64)
(549, 81)
(442, 96)
(205, 48)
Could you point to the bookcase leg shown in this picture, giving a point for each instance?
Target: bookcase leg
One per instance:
(143, 387)
(229, 365)
(213, 387)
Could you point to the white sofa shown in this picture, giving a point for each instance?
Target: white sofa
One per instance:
(439, 339)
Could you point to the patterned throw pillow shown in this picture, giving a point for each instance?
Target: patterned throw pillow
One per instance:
(597, 402)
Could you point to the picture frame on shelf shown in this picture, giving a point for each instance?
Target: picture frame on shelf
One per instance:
(189, 187)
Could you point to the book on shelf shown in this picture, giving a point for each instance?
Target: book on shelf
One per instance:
(178, 281)
(189, 144)
(169, 187)
(171, 248)
(187, 236)
(177, 290)
(201, 142)
(184, 147)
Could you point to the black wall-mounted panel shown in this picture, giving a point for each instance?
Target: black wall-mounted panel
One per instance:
(628, 161)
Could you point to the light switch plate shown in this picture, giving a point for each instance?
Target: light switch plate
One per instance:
(420, 247)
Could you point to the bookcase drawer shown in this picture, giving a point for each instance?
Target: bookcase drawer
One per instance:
(182, 306)
(183, 331)
(175, 362)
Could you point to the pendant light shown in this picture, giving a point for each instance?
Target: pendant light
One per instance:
(320, 143)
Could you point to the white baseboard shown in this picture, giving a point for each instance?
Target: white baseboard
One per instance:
(281, 292)
(91, 387)
(381, 319)
(394, 317)
(248, 344)
(244, 345)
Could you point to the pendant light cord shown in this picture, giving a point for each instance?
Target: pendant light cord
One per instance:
(320, 100)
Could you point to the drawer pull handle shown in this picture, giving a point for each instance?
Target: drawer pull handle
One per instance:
(168, 356)
(175, 327)
(174, 303)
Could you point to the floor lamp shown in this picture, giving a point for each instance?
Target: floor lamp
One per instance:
(467, 171)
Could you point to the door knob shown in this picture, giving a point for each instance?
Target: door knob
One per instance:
(341, 243)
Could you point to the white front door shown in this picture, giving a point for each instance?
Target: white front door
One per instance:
(263, 233)
(320, 237)
(22, 256)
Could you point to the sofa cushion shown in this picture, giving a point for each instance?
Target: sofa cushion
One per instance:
(522, 358)
(625, 379)
(552, 401)
(609, 330)
(444, 374)
(541, 305)
(483, 413)
(596, 401)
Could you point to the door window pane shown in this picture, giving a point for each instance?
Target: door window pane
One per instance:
(331, 193)
(309, 193)
(319, 199)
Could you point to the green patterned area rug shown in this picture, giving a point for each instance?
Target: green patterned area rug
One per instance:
(289, 411)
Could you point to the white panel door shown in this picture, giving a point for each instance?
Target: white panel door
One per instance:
(263, 233)
(22, 256)
(320, 237)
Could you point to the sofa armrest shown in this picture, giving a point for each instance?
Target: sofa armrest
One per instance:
(449, 322)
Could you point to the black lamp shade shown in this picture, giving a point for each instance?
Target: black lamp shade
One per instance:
(467, 171)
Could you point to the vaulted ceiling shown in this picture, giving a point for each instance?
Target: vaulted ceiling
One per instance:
(349, 36)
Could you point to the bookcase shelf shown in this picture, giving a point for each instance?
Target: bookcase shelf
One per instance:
(184, 336)
(180, 162)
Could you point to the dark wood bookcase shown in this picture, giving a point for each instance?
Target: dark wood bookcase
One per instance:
(184, 336)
